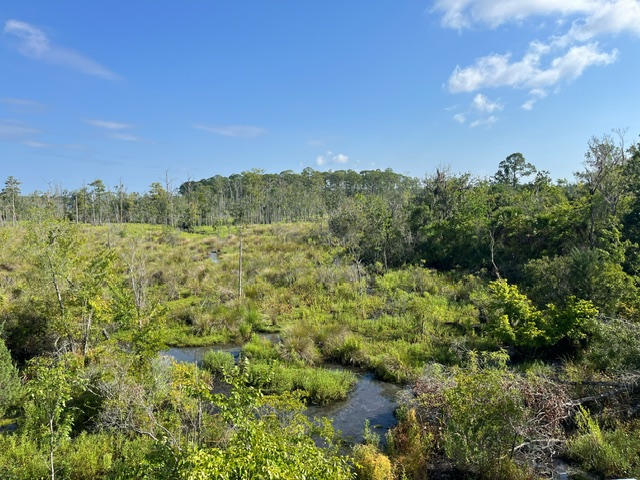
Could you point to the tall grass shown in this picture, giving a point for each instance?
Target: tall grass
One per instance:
(321, 386)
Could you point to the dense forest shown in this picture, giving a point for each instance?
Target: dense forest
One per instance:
(506, 307)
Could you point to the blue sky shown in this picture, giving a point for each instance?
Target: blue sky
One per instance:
(136, 91)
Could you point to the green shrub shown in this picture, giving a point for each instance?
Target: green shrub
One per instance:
(87, 457)
(615, 347)
(410, 445)
(370, 464)
(483, 410)
(218, 363)
(9, 381)
(244, 330)
(259, 348)
(609, 453)
(21, 459)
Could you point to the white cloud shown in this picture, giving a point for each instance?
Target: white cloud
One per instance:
(547, 63)
(610, 17)
(109, 125)
(499, 71)
(481, 108)
(330, 158)
(534, 95)
(460, 118)
(240, 131)
(487, 122)
(34, 43)
(483, 105)
(589, 17)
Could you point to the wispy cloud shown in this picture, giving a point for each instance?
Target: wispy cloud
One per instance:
(487, 122)
(546, 64)
(534, 95)
(109, 125)
(115, 130)
(240, 131)
(460, 118)
(329, 158)
(34, 144)
(480, 110)
(126, 137)
(34, 43)
(23, 105)
(13, 130)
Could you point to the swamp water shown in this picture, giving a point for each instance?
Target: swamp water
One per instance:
(370, 399)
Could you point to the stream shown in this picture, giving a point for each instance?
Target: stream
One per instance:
(370, 399)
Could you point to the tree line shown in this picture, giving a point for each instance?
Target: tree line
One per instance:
(509, 304)
(251, 197)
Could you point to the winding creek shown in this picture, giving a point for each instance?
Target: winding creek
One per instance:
(370, 399)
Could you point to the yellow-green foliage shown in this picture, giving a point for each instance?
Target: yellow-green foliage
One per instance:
(609, 453)
(410, 446)
(514, 319)
(370, 464)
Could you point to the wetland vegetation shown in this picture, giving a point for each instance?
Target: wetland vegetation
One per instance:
(504, 309)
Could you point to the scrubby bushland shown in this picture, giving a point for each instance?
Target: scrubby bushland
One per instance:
(507, 304)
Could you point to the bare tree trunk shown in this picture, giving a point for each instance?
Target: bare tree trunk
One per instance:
(13, 209)
(492, 248)
(87, 332)
(51, 440)
(240, 270)
(56, 286)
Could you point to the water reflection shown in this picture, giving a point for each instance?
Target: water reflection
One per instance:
(371, 399)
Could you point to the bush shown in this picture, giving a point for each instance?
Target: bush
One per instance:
(370, 464)
(9, 381)
(615, 347)
(611, 454)
(410, 445)
(484, 410)
(87, 457)
(259, 348)
(218, 363)
(21, 459)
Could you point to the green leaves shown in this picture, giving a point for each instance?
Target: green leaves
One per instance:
(9, 381)
(483, 409)
(514, 320)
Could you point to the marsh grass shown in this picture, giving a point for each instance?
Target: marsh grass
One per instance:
(218, 363)
(321, 386)
(259, 348)
(295, 282)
